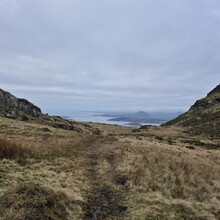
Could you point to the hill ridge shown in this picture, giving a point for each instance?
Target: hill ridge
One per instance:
(9, 101)
(203, 117)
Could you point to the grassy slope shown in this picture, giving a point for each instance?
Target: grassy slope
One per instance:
(203, 117)
(159, 173)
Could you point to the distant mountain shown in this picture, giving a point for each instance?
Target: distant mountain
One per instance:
(141, 114)
(11, 105)
(204, 116)
(136, 118)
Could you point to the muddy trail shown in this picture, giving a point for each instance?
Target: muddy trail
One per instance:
(106, 199)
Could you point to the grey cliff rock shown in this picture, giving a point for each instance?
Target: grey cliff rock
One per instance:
(9, 101)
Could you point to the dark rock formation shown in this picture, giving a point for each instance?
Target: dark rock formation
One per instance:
(8, 101)
(203, 104)
(215, 90)
(212, 99)
(203, 117)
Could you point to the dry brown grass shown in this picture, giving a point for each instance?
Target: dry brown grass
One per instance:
(174, 171)
(107, 129)
(56, 161)
(162, 181)
(174, 176)
(161, 175)
(11, 150)
(172, 131)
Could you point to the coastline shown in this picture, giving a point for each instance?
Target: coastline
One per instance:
(95, 117)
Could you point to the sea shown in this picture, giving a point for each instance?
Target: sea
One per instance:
(98, 118)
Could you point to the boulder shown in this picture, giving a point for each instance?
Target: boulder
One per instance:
(11, 114)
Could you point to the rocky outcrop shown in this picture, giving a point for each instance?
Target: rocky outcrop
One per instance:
(204, 104)
(203, 117)
(211, 100)
(215, 90)
(8, 101)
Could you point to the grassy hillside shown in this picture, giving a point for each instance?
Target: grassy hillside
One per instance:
(51, 168)
(203, 117)
(48, 172)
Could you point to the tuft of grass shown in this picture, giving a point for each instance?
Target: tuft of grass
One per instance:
(32, 201)
(10, 150)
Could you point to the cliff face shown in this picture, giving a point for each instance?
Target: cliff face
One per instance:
(204, 116)
(8, 101)
(209, 103)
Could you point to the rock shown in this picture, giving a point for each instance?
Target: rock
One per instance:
(45, 129)
(215, 90)
(204, 104)
(24, 118)
(62, 126)
(9, 101)
(18, 126)
(11, 115)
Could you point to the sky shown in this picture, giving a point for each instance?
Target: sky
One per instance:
(110, 55)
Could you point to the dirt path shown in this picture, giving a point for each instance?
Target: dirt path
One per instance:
(105, 200)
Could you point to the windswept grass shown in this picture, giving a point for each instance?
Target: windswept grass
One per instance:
(175, 176)
(161, 176)
(11, 150)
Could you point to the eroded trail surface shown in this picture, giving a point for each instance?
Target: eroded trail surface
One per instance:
(106, 199)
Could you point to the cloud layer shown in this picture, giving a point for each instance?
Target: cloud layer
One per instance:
(68, 55)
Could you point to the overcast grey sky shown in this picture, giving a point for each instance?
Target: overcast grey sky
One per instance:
(68, 55)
